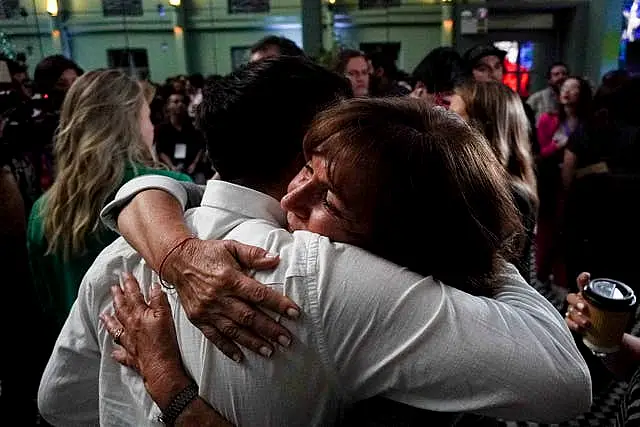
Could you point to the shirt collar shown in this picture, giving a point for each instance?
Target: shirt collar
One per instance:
(244, 201)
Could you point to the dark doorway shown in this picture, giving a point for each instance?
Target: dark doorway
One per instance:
(389, 49)
(134, 62)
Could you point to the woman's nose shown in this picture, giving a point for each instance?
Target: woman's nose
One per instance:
(299, 199)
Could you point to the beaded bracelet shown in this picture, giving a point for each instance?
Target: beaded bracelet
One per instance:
(180, 243)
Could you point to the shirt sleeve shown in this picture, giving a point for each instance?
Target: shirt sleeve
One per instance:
(534, 101)
(69, 387)
(415, 340)
(82, 384)
(188, 194)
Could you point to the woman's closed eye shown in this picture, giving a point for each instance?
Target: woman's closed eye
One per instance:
(330, 207)
(330, 201)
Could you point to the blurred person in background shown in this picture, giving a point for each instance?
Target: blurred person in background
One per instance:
(30, 126)
(386, 78)
(105, 139)
(14, 115)
(354, 65)
(601, 173)
(554, 131)
(19, 78)
(496, 111)
(437, 75)
(485, 62)
(178, 143)
(176, 84)
(52, 78)
(546, 100)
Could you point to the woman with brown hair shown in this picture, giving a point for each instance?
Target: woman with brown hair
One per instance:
(496, 111)
(391, 157)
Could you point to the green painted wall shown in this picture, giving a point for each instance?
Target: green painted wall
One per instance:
(415, 42)
(605, 19)
(210, 51)
(32, 42)
(418, 29)
(210, 33)
(90, 51)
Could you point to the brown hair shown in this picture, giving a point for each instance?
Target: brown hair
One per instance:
(442, 204)
(497, 112)
(98, 137)
(343, 57)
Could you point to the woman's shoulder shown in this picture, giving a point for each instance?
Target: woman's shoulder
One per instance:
(36, 210)
(548, 117)
(35, 225)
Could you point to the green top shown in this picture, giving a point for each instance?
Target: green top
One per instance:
(56, 280)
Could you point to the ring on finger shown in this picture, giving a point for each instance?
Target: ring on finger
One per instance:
(117, 334)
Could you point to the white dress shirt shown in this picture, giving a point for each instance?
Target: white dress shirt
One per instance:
(368, 327)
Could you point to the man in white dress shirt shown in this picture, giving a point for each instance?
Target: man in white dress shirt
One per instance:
(368, 327)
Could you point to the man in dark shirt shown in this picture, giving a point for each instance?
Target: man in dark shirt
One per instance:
(178, 144)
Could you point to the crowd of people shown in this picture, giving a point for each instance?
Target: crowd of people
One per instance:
(307, 244)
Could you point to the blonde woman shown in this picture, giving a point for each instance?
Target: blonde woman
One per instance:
(104, 139)
(496, 110)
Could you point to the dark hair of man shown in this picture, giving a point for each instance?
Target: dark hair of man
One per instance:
(286, 47)
(49, 70)
(196, 80)
(440, 71)
(423, 168)
(386, 62)
(170, 91)
(255, 118)
(554, 65)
